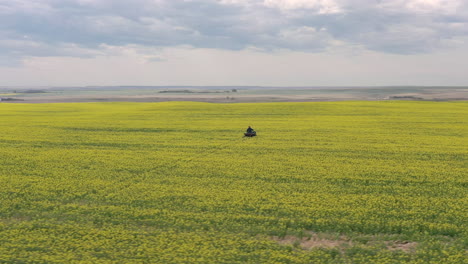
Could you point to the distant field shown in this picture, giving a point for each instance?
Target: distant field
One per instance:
(175, 182)
(231, 94)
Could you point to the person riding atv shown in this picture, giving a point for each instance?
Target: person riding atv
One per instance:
(250, 132)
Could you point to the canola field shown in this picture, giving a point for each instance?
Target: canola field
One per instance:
(175, 182)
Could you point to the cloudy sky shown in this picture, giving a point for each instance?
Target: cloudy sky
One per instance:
(233, 42)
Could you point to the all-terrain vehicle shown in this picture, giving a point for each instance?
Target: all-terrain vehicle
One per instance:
(250, 134)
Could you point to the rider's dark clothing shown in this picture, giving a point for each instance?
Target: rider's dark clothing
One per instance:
(250, 130)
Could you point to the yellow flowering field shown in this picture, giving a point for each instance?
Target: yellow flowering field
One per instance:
(176, 182)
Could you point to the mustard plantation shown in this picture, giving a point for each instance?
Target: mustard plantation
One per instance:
(329, 182)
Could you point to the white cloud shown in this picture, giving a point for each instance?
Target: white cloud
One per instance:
(441, 6)
(44, 28)
(321, 6)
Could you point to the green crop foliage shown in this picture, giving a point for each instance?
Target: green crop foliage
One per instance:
(175, 182)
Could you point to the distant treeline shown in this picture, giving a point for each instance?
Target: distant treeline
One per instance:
(191, 91)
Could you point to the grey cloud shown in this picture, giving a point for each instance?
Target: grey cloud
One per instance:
(76, 27)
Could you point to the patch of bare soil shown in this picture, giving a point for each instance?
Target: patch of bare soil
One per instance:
(405, 246)
(313, 241)
(15, 219)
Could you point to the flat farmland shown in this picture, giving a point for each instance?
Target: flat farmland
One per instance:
(175, 182)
